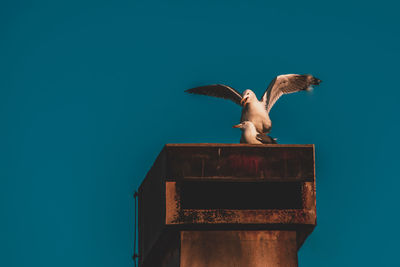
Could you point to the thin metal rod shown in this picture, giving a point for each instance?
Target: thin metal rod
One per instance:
(135, 255)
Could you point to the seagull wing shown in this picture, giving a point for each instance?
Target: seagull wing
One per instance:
(217, 90)
(287, 84)
(266, 139)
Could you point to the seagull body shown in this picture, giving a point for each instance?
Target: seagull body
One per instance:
(254, 110)
(251, 136)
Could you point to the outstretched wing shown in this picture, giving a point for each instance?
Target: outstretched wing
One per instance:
(287, 84)
(217, 90)
(266, 139)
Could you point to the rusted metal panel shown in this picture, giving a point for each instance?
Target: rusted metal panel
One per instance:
(219, 161)
(244, 217)
(238, 248)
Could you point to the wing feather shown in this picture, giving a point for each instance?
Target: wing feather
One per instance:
(217, 90)
(287, 84)
(266, 139)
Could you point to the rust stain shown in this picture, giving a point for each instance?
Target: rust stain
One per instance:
(192, 216)
(244, 163)
(204, 216)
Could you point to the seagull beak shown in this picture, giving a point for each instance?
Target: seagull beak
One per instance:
(237, 126)
(243, 101)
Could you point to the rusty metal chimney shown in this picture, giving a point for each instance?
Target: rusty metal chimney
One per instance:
(227, 205)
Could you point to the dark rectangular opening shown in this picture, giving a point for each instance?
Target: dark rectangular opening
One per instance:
(240, 195)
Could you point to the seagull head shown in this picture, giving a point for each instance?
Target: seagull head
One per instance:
(247, 96)
(244, 125)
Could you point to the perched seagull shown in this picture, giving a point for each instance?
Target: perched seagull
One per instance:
(251, 136)
(254, 110)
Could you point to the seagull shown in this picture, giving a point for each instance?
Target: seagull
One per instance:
(251, 136)
(253, 109)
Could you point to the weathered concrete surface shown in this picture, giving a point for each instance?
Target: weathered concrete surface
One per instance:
(238, 249)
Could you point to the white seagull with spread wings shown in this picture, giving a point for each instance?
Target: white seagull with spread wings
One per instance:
(254, 110)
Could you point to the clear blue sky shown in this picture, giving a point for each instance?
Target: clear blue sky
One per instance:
(91, 90)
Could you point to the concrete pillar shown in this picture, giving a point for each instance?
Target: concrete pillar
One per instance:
(238, 249)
